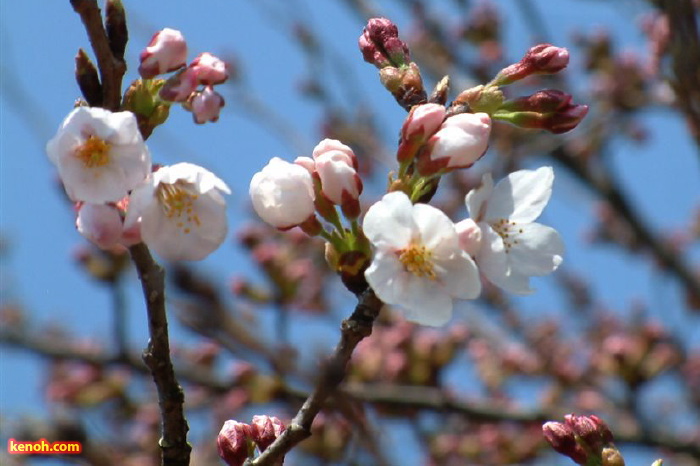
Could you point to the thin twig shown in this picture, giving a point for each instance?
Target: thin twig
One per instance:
(111, 69)
(352, 331)
(174, 447)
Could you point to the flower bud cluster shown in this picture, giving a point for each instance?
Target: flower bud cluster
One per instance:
(380, 45)
(193, 85)
(584, 439)
(105, 168)
(237, 440)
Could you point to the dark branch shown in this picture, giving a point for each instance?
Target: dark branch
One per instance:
(174, 447)
(352, 331)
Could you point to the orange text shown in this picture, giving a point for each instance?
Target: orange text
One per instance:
(43, 447)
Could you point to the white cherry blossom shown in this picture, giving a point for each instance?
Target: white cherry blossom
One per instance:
(513, 247)
(418, 264)
(283, 193)
(181, 210)
(100, 155)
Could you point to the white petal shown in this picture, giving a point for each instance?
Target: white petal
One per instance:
(421, 300)
(437, 232)
(493, 262)
(539, 250)
(389, 223)
(477, 199)
(521, 196)
(460, 277)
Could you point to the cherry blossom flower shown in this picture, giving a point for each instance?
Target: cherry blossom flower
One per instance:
(418, 264)
(209, 69)
(283, 193)
(166, 52)
(182, 212)
(100, 155)
(513, 248)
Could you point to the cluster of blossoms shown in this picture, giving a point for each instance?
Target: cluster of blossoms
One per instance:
(410, 253)
(237, 440)
(192, 85)
(105, 167)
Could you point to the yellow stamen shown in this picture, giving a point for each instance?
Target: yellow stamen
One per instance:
(94, 152)
(508, 231)
(177, 200)
(417, 260)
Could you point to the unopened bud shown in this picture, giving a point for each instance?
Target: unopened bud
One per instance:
(167, 51)
(380, 44)
(562, 439)
(234, 442)
(548, 109)
(115, 27)
(265, 430)
(209, 69)
(540, 59)
(88, 79)
(205, 105)
(179, 86)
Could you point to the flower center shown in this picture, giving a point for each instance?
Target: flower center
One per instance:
(508, 231)
(94, 152)
(417, 260)
(177, 200)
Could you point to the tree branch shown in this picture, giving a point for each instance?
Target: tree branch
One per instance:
(684, 48)
(174, 447)
(111, 69)
(352, 331)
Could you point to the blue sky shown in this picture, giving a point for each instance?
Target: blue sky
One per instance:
(40, 40)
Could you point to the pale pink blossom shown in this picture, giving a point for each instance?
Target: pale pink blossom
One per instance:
(182, 212)
(418, 264)
(166, 52)
(514, 247)
(283, 193)
(100, 155)
(180, 86)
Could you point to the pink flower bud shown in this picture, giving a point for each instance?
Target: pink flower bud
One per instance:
(548, 109)
(540, 59)
(333, 144)
(233, 441)
(306, 162)
(166, 52)
(179, 86)
(265, 430)
(209, 69)
(562, 439)
(423, 121)
(461, 140)
(380, 44)
(205, 105)
(101, 224)
(339, 180)
(283, 194)
(469, 235)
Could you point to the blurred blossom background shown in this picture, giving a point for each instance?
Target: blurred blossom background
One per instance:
(614, 332)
